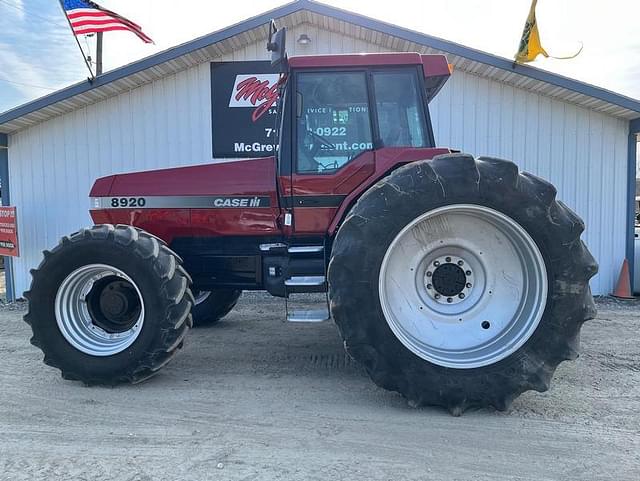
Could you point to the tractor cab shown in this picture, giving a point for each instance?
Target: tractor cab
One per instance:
(344, 120)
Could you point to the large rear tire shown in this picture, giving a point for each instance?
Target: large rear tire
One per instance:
(211, 306)
(109, 305)
(460, 282)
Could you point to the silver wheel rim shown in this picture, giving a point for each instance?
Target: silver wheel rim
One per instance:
(79, 326)
(201, 296)
(459, 324)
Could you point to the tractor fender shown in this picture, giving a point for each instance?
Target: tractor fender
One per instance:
(388, 159)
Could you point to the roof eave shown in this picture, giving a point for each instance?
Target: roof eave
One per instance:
(336, 13)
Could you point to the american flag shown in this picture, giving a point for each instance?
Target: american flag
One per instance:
(86, 17)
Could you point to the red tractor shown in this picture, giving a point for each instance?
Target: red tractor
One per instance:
(455, 281)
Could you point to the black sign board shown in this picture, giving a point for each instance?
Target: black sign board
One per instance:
(243, 96)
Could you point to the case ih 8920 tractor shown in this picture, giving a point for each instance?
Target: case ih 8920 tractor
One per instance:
(455, 281)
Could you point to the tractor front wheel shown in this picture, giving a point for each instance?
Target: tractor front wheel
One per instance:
(109, 304)
(461, 282)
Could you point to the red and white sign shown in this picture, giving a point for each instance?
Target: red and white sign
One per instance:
(8, 232)
(259, 91)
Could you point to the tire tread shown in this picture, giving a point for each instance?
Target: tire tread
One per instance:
(440, 181)
(175, 292)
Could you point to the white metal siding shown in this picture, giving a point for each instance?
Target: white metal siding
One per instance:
(582, 152)
(168, 123)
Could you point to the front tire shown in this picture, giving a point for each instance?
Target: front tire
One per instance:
(109, 304)
(460, 282)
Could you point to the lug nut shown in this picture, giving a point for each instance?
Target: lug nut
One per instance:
(449, 300)
(468, 273)
(429, 273)
(468, 285)
(437, 296)
(436, 263)
(429, 286)
(448, 259)
(460, 263)
(461, 295)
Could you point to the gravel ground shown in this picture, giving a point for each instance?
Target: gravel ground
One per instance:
(255, 398)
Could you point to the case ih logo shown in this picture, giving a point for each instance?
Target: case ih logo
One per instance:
(239, 202)
(259, 91)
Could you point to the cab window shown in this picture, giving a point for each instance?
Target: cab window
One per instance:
(333, 125)
(400, 110)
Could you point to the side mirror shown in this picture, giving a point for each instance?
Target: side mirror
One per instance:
(277, 46)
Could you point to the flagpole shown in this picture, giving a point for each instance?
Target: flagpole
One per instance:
(98, 54)
(78, 42)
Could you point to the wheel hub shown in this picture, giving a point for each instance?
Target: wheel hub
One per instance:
(113, 304)
(448, 279)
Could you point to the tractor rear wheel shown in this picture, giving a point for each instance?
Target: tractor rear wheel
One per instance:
(109, 304)
(211, 306)
(461, 282)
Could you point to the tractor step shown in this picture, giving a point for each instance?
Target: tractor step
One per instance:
(306, 307)
(305, 249)
(294, 267)
(305, 284)
(311, 315)
(305, 281)
(273, 247)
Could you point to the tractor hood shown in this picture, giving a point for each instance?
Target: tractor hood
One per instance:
(225, 184)
(235, 198)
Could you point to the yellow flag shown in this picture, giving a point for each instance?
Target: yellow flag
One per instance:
(530, 46)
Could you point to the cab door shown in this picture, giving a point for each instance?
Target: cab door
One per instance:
(333, 150)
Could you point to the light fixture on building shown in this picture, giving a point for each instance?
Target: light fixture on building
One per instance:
(304, 39)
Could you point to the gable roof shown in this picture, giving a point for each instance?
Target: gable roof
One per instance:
(390, 37)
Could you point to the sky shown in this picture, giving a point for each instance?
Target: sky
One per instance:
(39, 55)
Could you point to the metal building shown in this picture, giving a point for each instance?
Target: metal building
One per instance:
(157, 112)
